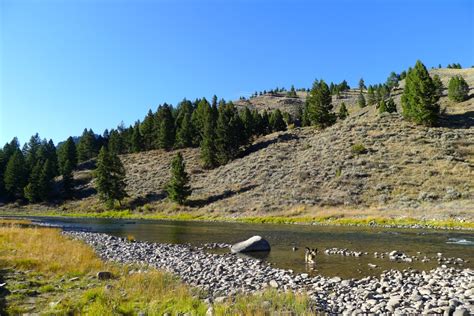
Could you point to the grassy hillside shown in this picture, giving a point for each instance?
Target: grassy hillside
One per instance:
(369, 164)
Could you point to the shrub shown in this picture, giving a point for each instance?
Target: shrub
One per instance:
(458, 90)
(359, 149)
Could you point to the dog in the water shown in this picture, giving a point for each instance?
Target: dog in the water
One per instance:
(310, 255)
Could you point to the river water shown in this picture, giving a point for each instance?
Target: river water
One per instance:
(283, 238)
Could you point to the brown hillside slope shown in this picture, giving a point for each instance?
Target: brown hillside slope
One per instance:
(405, 170)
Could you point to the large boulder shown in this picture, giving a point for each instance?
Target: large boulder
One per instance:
(255, 243)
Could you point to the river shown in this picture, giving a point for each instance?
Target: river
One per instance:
(283, 238)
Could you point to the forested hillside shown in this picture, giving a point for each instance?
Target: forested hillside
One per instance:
(331, 147)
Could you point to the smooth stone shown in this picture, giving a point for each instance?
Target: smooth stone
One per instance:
(255, 243)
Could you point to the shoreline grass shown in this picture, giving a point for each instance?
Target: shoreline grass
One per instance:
(328, 220)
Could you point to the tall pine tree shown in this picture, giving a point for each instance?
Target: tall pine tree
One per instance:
(420, 97)
(109, 178)
(320, 105)
(16, 175)
(178, 188)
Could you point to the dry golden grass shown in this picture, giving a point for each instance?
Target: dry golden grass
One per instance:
(45, 250)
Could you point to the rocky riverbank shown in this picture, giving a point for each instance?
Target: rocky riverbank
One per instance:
(442, 290)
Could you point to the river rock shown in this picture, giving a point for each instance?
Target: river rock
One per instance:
(255, 243)
(104, 275)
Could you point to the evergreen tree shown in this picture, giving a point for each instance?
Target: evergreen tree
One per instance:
(390, 105)
(248, 123)
(32, 190)
(371, 100)
(319, 105)
(178, 188)
(343, 112)
(438, 84)
(362, 85)
(419, 99)
(147, 129)
(392, 81)
(46, 180)
(2, 170)
(116, 142)
(229, 136)
(185, 133)
(292, 92)
(276, 121)
(16, 175)
(109, 177)
(166, 135)
(30, 151)
(361, 100)
(265, 123)
(382, 106)
(208, 147)
(67, 153)
(68, 179)
(137, 139)
(199, 117)
(458, 89)
(87, 147)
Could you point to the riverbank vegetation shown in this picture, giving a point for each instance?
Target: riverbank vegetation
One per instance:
(45, 272)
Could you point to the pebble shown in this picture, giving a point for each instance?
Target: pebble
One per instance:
(225, 275)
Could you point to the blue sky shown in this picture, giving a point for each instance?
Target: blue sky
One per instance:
(70, 64)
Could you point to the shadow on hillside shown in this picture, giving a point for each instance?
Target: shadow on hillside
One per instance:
(142, 200)
(464, 120)
(3, 293)
(214, 198)
(261, 145)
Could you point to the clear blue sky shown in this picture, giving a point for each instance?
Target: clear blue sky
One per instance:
(67, 64)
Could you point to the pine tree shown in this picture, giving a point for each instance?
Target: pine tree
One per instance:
(343, 112)
(438, 84)
(371, 100)
(30, 151)
(16, 175)
(419, 99)
(68, 179)
(265, 123)
(292, 92)
(2, 170)
(199, 117)
(390, 105)
(208, 147)
(276, 121)
(248, 123)
(458, 89)
(147, 129)
(185, 133)
(87, 147)
(392, 81)
(32, 190)
(361, 101)
(109, 177)
(178, 188)
(229, 136)
(46, 180)
(67, 153)
(382, 107)
(166, 134)
(137, 139)
(362, 85)
(320, 106)
(117, 143)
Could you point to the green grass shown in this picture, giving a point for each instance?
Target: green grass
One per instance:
(315, 220)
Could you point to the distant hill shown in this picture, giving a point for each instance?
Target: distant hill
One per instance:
(405, 170)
